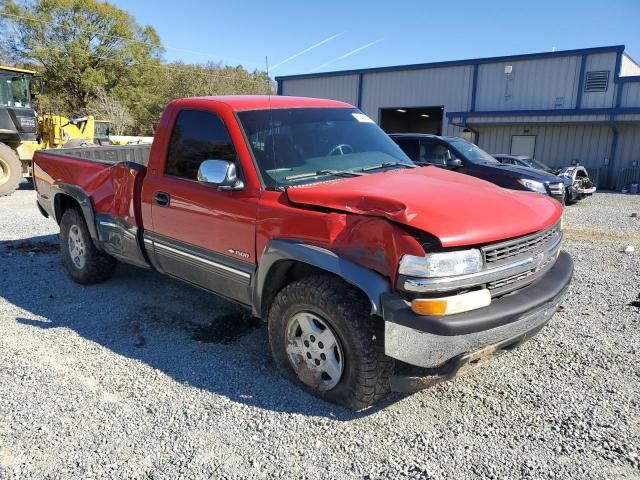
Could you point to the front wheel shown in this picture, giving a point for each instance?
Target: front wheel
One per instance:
(10, 170)
(84, 263)
(323, 339)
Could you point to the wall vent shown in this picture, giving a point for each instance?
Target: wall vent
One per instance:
(597, 81)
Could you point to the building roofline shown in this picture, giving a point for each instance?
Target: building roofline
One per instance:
(454, 63)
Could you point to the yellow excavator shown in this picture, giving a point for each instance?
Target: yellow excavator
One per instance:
(23, 132)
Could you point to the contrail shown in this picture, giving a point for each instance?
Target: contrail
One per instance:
(348, 54)
(332, 37)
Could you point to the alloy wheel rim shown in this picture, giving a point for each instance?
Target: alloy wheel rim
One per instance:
(77, 249)
(314, 351)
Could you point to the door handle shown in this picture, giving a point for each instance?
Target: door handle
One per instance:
(161, 198)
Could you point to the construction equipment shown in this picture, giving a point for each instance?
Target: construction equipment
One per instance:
(23, 131)
(18, 126)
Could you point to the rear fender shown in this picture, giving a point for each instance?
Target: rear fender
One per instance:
(83, 200)
(371, 283)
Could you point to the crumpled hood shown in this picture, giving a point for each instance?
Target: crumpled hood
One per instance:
(456, 208)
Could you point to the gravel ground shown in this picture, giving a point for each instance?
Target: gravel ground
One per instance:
(142, 377)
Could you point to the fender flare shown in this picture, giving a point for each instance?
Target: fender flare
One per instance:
(371, 283)
(83, 199)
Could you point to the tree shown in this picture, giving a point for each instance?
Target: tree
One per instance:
(109, 107)
(90, 53)
(80, 47)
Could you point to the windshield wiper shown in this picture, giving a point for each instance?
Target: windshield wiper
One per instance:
(338, 173)
(387, 165)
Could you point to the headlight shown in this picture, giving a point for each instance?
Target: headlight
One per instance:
(533, 185)
(442, 264)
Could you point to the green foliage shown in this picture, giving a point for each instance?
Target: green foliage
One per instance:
(85, 49)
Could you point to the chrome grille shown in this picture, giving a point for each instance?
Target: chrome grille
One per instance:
(515, 281)
(519, 246)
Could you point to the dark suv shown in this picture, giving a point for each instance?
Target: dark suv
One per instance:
(457, 154)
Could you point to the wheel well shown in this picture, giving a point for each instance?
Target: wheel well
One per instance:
(285, 272)
(63, 203)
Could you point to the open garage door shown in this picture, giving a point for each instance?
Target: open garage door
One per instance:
(412, 120)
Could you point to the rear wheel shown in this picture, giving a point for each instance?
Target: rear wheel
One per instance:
(324, 339)
(10, 170)
(84, 263)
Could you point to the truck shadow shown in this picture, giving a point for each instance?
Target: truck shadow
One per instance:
(195, 338)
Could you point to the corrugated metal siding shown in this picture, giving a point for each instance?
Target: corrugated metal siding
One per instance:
(600, 61)
(555, 145)
(450, 87)
(534, 84)
(630, 95)
(628, 149)
(343, 88)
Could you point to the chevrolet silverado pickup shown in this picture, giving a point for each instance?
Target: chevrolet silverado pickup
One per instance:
(306, 212)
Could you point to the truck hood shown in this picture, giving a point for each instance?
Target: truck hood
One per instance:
(458, 209)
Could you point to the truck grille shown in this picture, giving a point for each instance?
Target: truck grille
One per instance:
(519, 246)
(515, 281)
(505, 252)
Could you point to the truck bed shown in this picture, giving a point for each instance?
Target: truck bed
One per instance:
(110, 154)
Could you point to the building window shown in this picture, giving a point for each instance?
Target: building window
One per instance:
(597, 81)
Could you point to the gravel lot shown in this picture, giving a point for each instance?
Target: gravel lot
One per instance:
(143, 377)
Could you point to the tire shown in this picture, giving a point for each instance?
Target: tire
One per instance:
(10, 170)
(84, 263)
(329, 307)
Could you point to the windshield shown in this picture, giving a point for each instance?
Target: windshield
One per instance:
(295, 146)
(471, 152)
(102, 129)
(539, 165)
(14, 91)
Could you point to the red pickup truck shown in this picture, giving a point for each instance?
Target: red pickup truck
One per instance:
(306, 212)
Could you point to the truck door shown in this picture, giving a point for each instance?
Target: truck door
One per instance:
(201, 234)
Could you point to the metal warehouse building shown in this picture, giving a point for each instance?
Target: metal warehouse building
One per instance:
(574, 106)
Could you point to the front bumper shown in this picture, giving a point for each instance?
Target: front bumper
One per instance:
(431, 342)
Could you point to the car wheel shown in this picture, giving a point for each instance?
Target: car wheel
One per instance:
(84, 263)
(324, 339)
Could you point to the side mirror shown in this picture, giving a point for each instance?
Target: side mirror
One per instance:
(220, 174)
(455, 163)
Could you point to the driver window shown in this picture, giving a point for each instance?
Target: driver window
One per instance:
(197, 136)
(434, 153)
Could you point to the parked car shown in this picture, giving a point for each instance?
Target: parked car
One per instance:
(581, 184)
(304, 211)
(576, 178)
(457, 154)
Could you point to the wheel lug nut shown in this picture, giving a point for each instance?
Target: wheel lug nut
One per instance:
(323, 356)
(306, 343)
(312, 338)
(320, 345)
(317, 361)
(308, 355)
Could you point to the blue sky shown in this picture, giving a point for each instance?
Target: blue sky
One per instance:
(361, 34)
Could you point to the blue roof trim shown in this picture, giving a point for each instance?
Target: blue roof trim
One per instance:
(631, 78)
(556, 112)
(453, 63)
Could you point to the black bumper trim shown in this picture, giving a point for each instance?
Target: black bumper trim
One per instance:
(546, 291)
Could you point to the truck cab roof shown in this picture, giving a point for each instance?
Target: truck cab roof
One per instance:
(260, 102)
